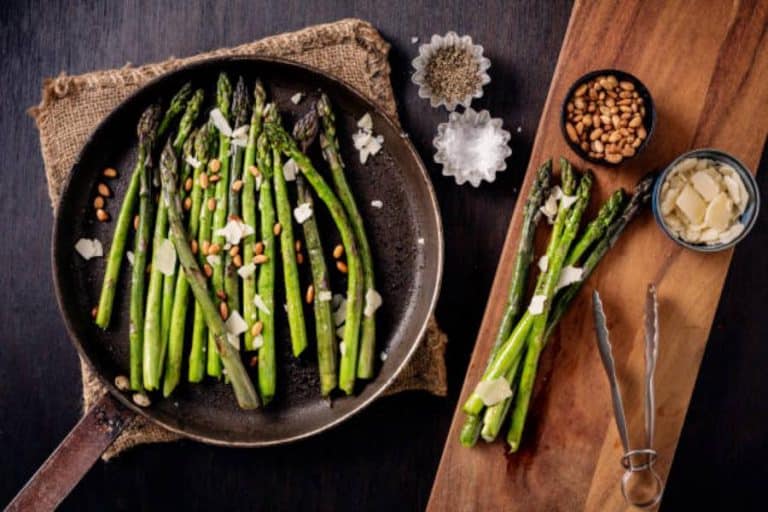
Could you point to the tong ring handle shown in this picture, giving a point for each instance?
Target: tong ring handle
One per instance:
(630, 467)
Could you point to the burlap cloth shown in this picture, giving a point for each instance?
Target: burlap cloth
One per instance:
(72, 106)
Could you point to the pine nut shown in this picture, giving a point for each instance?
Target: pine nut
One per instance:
(254, 171)
(223, 310)
(206, 247)
(122, 383)
(260, 258)
(215, 178)
(571, 132)
(256, 328)
(135, 222)
(297, 245)
(212, 204)
(258, 248)
(104, 190)
(342, 267)
(188, 184)
(338, 251)
(214, 165)
(109, 172)
(237, 185)
(237, 260)
(234, 250)
(193, 246)
(94, 312)
(98, 202)
(102, 215)
(203, 181)
(187, 204)
(614, 158)
(277, 228)
(299, 258)
(310, 295)
(208, 270)
(221, 295)
(141, 400)
(214, 248)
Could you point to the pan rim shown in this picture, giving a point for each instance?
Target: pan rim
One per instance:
(394, 125)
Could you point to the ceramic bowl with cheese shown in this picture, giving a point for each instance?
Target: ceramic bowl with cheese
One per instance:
(706, 200)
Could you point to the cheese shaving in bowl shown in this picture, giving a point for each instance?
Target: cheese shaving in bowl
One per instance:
(701, 202)
(491, 392)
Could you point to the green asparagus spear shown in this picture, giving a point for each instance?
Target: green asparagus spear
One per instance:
(197, 355)
(531, 215)
(537, 340)
(266, 282)
(349, 352)
(203, 142)
(250, 313)
(125, 217)
(146, 133)
(595, 229)
(231, 277)
(304, 132)
(175, 107)
(158, 309)
(330, 145)
(223, 93)
(293, 296)
(241, 384)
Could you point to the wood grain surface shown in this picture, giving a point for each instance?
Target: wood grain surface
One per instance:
(705, 64)
(386, 458)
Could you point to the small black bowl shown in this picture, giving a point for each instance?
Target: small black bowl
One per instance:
(649, 121)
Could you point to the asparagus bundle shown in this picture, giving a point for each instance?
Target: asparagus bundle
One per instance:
(146, 131)
(349, 351)
(516, 352)
(330, 145)
(241, 383)
(117, 250)
(185, 222)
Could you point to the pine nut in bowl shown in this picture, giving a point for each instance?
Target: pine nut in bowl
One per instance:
(608, 116)
(706, 200)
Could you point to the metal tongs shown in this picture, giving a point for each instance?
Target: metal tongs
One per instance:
(634, 460)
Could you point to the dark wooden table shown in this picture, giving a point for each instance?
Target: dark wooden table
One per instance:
(385, 458)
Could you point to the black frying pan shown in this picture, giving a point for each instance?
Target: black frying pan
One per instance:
(406, 239)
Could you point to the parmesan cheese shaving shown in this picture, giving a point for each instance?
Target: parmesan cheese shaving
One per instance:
(213, 260)
(246, 270)
(342, 348)
(340, 332)
(260, 304)
(234, 231)
(129, 256)
(376, 203)
(569, 275)
(324, 296)
(340, 313)
(536, 307)
(543, 263)
(220, 122)
(494, 391)
(383, 356)
(194, 162)
(372, 302)
(233, 340)
(290, 169)
(296, 98)
(567, 201)
(235, 324)
(302, 212)
(365, 122)
(258, 341)
(89, 248)
(165, 258)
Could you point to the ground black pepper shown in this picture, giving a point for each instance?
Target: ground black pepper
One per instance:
(452, 73)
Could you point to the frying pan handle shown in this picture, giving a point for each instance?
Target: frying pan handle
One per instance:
(72, 459)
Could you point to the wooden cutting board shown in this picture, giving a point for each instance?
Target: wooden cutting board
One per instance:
(706, 65)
